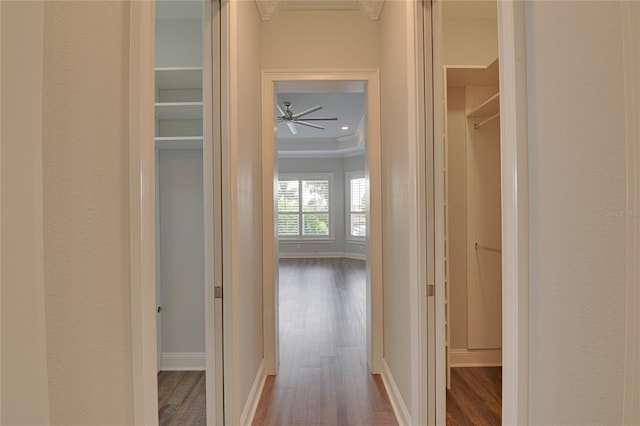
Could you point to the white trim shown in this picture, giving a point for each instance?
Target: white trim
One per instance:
(321, 255)
(421, 254)
(438, 367)
(183, 361)
(515, 212)
(395, 398)
(631, 51)
(142, 212)
(1, 211)
(348, 177)
(250, 407)
(212, 163)
(475, 357)
(374, 245)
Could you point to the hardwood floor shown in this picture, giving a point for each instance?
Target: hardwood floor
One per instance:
(323, 377)
(181, 398)
(475, 397)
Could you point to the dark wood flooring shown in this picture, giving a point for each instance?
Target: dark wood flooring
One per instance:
(475, 397)
(323, 377)
(181, 398)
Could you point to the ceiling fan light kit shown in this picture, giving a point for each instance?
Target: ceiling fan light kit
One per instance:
(290, 118)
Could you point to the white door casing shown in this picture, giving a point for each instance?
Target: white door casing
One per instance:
(515, 208)
(374, 243)
(142, 210)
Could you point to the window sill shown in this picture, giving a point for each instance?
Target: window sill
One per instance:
(308, 240)
(355, 240)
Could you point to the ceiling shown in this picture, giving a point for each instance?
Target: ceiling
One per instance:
(344, 100)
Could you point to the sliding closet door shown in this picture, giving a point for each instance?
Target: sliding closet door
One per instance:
(211, 149)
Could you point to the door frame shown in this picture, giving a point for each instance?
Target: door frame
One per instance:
(143, 208)
(631, 52)
(374, 237)
(515, 212)
(142, 211)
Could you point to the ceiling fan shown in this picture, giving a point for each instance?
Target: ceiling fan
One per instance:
(290, 119)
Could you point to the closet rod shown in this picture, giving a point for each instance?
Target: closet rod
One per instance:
(485, 121)
(481, 247)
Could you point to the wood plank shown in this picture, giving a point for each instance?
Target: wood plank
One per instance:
(323, 377)
(181, 398)
(475, 396)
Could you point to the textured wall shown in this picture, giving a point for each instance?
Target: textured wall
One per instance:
(577, 174)
(24, 393)
(245, 168)
(320, 40)
(86, 212)
(396, 195)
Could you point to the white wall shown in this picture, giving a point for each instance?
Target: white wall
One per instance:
(320, 40)
(86, 212)
(24, 392)
(577, 173)
(243, 239)
(457, 216)
(178, 43)
(469, 41)
(181, 208)
(397, 198)
(354, 164)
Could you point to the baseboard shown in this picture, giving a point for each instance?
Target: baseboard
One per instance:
(397, 403)
(316, 255)
(475, 357)
(183, 361)
(251, 405)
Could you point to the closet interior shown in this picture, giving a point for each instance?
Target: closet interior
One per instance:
(179, 185)
(473, 255)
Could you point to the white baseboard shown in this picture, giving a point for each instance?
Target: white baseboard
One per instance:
(251, 405)
(397, 403)
(475, 357)
(183, 361)
(316, 255)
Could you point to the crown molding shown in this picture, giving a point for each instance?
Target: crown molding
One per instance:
(268, 8)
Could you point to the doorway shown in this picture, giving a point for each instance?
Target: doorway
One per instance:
(513, 196)
(472, 213)
(370, 85)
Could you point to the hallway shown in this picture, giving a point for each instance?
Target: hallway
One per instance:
(323, 377)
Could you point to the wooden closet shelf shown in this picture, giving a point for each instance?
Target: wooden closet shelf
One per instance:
(179, 78)
(179, 142)
(488, 108)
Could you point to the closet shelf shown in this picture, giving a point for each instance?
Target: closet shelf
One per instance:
(178, 78)
(179, 110)
(179, 142)
(488, 108)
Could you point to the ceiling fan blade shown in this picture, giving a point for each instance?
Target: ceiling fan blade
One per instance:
(305, 123)
(320, 118)
(307, 111)
(281, 111)
(292, 127)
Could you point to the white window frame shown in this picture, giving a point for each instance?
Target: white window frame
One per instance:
(311, 176)
(348, 176)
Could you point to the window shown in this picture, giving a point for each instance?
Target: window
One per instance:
(357, 206)
(304, 207)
